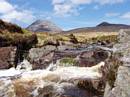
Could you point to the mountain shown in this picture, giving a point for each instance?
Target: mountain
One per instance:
(102, 27)
(43, 26)
(106, 24)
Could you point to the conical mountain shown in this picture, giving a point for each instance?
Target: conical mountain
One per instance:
(44, 26)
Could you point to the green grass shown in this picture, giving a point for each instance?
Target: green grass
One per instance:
(67, 61)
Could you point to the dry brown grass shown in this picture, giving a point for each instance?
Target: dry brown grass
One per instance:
(81, 37)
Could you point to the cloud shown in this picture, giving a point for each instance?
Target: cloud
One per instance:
(126, 15)
(112, 14)
(103, 2)
(23, 16)
(64, 8)
(69, 7)
(5, 7)
(11, 13)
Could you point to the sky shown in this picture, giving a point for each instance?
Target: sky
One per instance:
(67, 14)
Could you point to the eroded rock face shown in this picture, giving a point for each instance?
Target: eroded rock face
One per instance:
(121, 86)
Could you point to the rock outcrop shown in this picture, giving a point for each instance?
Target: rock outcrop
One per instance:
(121, 87)
(82, 57)
(41, 57)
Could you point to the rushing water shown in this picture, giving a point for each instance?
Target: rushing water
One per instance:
(55, 79)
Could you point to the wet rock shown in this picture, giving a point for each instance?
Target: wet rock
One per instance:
(41, 57)
(7, 57)
(70, 90)
(92, 57)
(83, 57)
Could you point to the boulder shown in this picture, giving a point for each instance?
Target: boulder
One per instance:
(41, 57)
(92, 57)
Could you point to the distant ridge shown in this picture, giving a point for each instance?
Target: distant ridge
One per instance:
(44, 26)
(102, 27)
(109, 24)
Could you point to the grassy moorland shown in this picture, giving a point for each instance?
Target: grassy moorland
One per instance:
(81, 37)
(44, 37)
(7, 38)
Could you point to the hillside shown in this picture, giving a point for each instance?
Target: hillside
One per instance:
(12, 34)
(9, 27)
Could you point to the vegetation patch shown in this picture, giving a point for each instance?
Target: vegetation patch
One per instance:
(113, 66)
(67, 61)
(77, 37)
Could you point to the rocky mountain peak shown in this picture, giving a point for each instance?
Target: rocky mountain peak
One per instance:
(43, 26)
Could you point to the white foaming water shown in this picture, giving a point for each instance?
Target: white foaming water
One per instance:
(25, 65)
(64, 73)
(51, 67)
(56, 81)
(9, 72)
